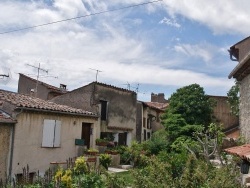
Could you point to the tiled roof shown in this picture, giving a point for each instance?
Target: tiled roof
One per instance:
(157, 105)
(241, 151)
(33, 103)
(53, 88)
(5, 118)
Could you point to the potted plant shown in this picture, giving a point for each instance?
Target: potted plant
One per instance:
(105, 160)
(92, 151)
(101, 142)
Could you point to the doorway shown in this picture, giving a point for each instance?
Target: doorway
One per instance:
(86, 132)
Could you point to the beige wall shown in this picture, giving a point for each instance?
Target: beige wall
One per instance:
(28, 139)
(5, 141)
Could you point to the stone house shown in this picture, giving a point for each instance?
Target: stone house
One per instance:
(39, 89)
(116, 107)
(44, 132)
(148, 116)
(241, 52)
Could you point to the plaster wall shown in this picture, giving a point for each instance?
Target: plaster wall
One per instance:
(5, 141)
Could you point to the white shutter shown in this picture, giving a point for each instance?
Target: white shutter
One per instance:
(57, 138)
(48, 133)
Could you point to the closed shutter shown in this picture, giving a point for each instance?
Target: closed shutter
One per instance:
(57, 139)
(48, 133)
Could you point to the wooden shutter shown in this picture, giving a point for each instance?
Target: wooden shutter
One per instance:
(48, 133)
(57, 138)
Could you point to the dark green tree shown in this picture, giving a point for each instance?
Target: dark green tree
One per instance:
(189, 108)
(192, 104)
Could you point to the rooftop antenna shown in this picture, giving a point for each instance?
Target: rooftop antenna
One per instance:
(128, 85)
(38, 73)
(97, 71)
(5, 77)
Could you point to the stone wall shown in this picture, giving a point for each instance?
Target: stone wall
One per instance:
(245, 108)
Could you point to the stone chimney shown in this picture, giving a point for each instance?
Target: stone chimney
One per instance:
(160, 97)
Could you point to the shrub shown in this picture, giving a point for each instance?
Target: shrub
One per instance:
(105, 160)
(80, 165)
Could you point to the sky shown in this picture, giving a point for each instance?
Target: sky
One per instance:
(152, 48)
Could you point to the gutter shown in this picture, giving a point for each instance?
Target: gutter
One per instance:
(239, 66)
(58, 112)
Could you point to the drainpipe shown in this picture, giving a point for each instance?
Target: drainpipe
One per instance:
(11, 150)
(231, 55)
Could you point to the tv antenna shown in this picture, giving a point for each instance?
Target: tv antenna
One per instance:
(128, 85)
(97, 71)
(5, 77)
(38, 74)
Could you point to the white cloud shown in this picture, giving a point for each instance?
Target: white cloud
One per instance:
(224, 16)
(203, 51)
(170, 22)
(69, 49)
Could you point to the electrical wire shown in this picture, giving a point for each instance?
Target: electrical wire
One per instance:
(78, 17)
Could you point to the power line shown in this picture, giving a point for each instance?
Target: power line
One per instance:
(78, 17)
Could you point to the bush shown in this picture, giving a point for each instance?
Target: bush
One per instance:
(80, 165)
(105, 160)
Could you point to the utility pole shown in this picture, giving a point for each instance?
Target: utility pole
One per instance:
(38, 74)
(97, 71)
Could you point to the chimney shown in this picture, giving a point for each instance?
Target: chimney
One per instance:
(63, 87)
(160, 97)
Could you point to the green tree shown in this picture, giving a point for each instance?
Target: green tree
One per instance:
(233, 98)
(189, 109)
(192, 104)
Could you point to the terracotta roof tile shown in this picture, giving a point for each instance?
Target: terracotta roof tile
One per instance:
(5, 118)
(241, 151)
(25, 101)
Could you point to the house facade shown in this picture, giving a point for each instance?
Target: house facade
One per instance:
(148, 116)
(241, 52)
(30, 86)
(115, 106)
(44, 132)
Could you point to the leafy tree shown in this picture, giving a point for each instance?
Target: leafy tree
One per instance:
(233, 98)
(189, 109)
(192, 104)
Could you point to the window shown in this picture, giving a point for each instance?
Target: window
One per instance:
(104, 110)
(51, 133)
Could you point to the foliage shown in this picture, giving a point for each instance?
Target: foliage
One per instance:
(105, 160)
(80, 165)
(157, 143)
(125, 154)
(91, 180)
(176, 161)
(64, 177)
(92, 150)
(233, 98)
(115, 180)
(192, 104)
(154, 175)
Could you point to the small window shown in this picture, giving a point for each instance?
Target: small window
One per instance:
(104, 110)
(51, 133)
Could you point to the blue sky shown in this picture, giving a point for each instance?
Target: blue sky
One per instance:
(156, 48)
